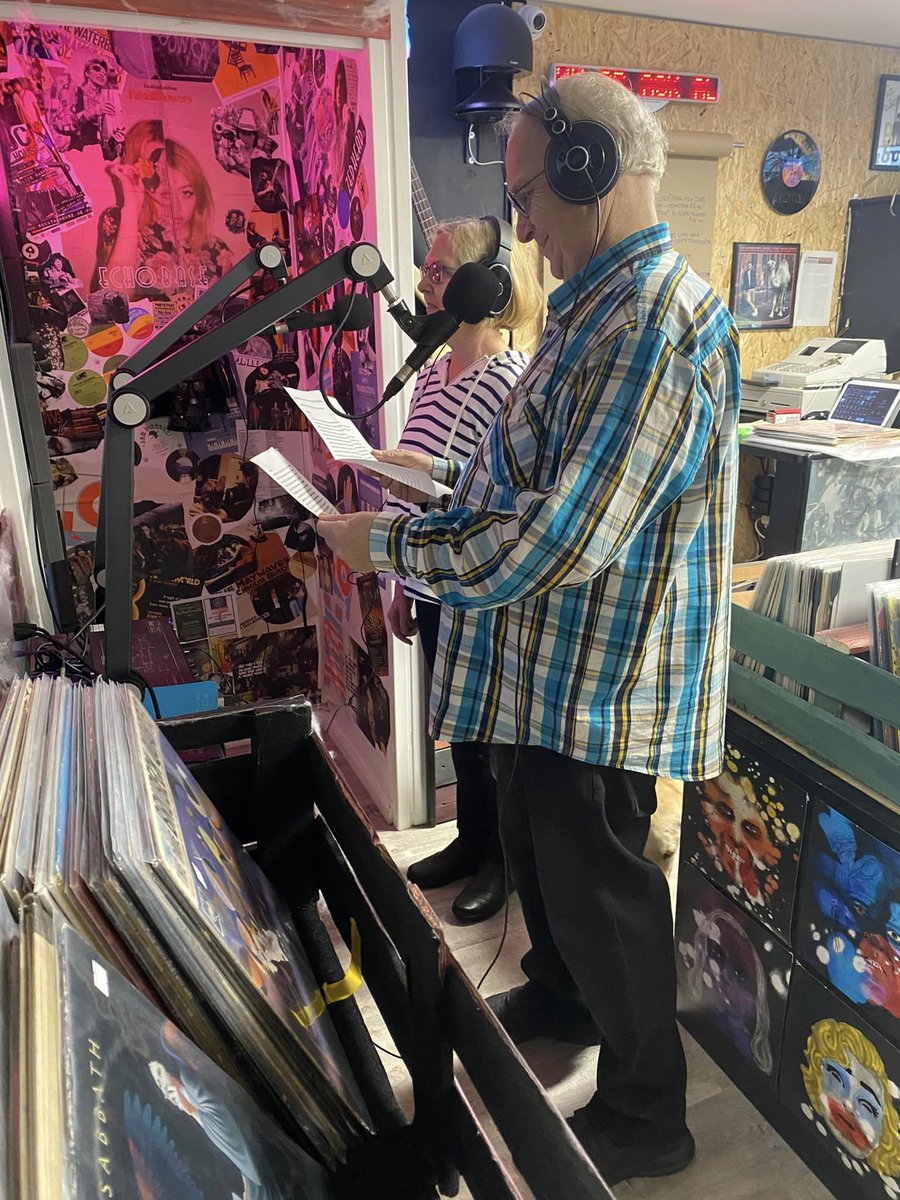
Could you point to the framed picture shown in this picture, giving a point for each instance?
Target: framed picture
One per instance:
(886, 135)
(764, 283)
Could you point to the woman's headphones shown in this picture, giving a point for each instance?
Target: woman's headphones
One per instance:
(500, 263)
(583, 160)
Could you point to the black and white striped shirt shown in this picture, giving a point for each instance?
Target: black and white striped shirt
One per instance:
(433, 428)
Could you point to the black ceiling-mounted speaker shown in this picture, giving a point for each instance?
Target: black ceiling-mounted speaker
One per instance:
(492, 44)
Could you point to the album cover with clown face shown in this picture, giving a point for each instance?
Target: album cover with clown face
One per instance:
(842, 1077)
(743, 830)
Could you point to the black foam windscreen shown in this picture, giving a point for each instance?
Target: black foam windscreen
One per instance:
(471, 293)
(361, 316)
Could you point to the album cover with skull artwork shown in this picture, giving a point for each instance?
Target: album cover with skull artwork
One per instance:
(733, 976)
(840, 1075)
(848, 916)
(743, 831)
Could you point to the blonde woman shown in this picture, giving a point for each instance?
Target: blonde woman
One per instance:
(454, 402)
(157, 239)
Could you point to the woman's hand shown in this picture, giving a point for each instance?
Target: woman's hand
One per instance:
(400, 616)
(132, 185)
(414, 460)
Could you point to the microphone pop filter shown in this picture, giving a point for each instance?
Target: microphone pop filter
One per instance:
(472, 292)
(361, 314)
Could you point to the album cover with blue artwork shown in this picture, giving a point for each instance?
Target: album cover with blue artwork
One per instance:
(733, 976)
(743, 830)
(148, 1114)
(848, 916)
(840, 1077)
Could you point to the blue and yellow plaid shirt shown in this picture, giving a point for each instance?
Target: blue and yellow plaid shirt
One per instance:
(585, 561)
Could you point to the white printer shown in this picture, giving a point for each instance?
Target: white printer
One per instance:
(811, 377)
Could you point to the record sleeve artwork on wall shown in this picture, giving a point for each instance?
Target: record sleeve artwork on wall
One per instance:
(841, 1075)
(743, 829)
(141, 168)
(849, 916)
(733, 974)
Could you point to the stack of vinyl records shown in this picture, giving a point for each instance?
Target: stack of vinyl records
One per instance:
(105, 835)
(818, 589)
(116, 1101)
(884, 625)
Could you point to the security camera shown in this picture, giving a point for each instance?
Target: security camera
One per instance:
(535, 18)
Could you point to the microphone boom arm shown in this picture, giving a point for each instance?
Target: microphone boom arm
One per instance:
(132, 392)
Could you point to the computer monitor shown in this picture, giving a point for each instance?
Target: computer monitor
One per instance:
(868, 402)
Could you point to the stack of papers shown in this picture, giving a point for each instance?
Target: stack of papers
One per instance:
(829, 433)
(346, 444)
(838, 439)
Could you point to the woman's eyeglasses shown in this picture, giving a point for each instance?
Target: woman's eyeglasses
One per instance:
(437, 272)
(520, 203)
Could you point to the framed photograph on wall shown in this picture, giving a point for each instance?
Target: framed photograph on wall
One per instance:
(764, 284)
(886, 135)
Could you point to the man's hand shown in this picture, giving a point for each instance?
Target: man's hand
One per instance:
(413, 459)
(400, 616)
(348, 538)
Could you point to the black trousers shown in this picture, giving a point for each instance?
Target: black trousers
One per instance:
(600, 922)
(476, 791)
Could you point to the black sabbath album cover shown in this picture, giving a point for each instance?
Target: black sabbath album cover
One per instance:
(743, 831)
(733, 975)
(150, 1115)
(843, 1080)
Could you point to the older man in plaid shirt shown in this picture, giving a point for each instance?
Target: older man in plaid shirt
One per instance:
(584, 566)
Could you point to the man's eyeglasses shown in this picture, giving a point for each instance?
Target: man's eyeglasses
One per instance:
(437, 272)
(520, 203)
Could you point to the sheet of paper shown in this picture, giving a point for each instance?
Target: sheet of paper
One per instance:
(815, 287)
(348, 445)
(274, 464)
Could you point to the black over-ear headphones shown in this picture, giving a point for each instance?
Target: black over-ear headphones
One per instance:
(500, 263)
(583, 160)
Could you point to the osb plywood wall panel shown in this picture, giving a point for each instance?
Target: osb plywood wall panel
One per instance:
(770, 83)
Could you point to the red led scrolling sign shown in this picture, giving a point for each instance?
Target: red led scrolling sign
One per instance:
(651, 85)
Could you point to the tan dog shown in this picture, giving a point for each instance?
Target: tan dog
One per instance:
(665, 826)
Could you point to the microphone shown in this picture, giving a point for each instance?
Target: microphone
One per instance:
(361, 316)
(469, 298)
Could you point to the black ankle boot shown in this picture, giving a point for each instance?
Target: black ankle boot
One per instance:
(453, 862)
(483, 895)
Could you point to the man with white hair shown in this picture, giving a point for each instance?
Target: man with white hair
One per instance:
(583, 566)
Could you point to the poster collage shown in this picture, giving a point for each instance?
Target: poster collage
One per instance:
(142, 167)
(788, 955)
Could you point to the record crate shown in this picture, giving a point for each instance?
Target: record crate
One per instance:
(288, 800)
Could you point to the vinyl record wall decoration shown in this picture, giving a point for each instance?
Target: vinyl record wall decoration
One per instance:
(791, 170)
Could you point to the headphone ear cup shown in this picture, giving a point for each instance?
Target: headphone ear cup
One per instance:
(583, 163)
(502, 274)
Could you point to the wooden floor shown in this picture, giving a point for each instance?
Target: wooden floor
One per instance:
(739, 1156)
